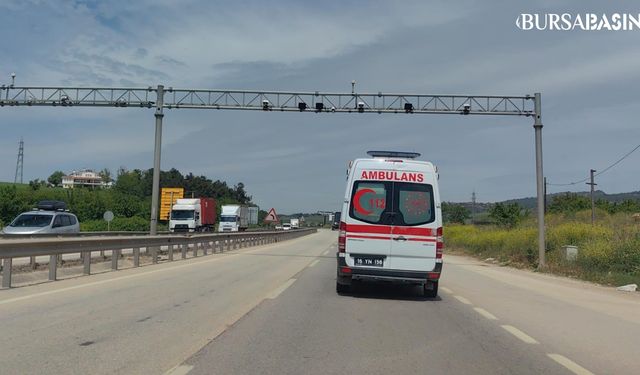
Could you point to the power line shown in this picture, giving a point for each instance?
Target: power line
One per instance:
(601, 172)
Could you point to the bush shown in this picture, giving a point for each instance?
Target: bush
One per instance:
(119, 224)
(576, 234)
(608, 252)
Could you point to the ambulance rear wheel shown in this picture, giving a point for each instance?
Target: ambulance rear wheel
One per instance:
(431, 289)
(342, 288)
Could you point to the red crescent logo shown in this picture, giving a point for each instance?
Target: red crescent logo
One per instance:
(356, 200)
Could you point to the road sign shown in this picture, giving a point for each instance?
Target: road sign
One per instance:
(167, 199)
(271, 217)
(108, 216)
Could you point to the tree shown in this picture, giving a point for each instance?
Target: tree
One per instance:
(105, 174)
(455, 213)
(56, 178)
(130, 182)
(240, 195)
(507, 215)
(37, 184)
(569, 203)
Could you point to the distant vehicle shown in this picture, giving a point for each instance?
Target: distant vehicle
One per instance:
(278, 227)
(253, 215)
(48, 217)
(286, 226)
(234, 218)
(336, 221)
(295, 223)
(391, 223)
(193, 215)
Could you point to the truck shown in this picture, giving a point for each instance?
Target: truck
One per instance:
(253, 215)
(234, 218)
(193, 215)
(295, 223)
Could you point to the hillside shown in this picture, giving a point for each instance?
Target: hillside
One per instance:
(531, 202)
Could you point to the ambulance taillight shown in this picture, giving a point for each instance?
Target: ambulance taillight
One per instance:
(342, 237)
(439, 243)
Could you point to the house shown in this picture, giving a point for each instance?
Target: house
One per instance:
(84, 178)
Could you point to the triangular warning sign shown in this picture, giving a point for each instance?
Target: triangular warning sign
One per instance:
(271, 217)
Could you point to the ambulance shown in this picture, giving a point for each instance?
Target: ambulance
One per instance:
(391, 222)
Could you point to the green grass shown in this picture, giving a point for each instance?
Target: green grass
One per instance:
(609, 252)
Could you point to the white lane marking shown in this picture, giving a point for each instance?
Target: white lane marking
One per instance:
(485, 313)
(313, 263)
(325, 252)
(94, 283)
(179, 370)
(280, 289)
(570, 365)
(446, 290)
(519, 334)
(463, 300)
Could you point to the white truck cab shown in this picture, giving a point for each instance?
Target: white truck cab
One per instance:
(391, 222)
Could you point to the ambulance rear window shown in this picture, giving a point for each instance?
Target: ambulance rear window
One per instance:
(392, 203)
(369, 200)
(415, 203)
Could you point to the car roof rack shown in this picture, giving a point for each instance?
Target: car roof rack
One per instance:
(393, 154)
(51, 206)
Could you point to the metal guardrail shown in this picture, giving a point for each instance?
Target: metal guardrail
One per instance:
(81, 234)
(106, 234)
(182, 244)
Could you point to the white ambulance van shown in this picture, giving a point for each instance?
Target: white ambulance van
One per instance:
(391, 222)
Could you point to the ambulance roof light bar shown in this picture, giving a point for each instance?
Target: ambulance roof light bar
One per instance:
(393, 154)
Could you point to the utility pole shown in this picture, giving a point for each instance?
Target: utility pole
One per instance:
(537, 126)
(545, 195)
(19, 163)
(473, 207)
(155, 191)
(593, 204)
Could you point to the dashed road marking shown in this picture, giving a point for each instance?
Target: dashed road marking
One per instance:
(463, 300)
(446, 290)
(485, 313)
(326, 252)
(519, 334)
(313, 263)
(180, 370)
(280, 289)
(570, 365)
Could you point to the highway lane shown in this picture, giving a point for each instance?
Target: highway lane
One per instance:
(488, 320)
(274, 309)
(143, 320)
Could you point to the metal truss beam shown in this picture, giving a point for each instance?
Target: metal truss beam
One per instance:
(269, 100)
(281, 101)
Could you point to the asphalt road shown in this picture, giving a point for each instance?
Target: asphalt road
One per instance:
(274, 310)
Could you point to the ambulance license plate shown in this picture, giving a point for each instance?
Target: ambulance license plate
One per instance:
(368, 261)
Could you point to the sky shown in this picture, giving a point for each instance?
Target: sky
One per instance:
(296, 162)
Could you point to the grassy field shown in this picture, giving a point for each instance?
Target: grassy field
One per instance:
(608, 252)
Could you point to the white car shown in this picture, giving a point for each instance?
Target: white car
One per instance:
(50, 217)
(286, 226)
(391, 222)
